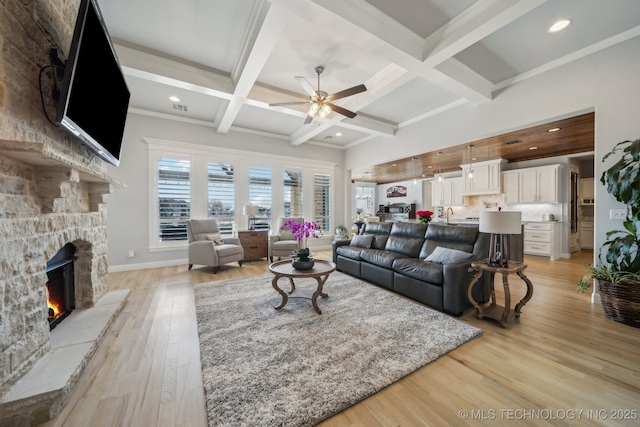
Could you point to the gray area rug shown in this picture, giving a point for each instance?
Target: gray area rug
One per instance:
(294, 367)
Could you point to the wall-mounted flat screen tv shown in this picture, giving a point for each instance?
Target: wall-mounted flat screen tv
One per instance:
(94, 97)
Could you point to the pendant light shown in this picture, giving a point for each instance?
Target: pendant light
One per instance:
(440, 178)
(470, 173)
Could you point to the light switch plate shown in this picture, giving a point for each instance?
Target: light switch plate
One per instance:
(617, 214)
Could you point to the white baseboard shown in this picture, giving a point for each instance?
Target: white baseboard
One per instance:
(173, 262)
(147, 265)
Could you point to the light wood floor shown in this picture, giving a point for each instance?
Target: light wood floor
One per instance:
(563, 356)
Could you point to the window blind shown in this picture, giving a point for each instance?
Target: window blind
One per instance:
(174, 198)
(292, 193)
(221, 196)
(322, 201)
(260, 195)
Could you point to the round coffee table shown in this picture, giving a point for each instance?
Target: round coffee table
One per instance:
(320, 271)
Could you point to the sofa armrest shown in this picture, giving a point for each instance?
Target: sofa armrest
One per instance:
(336, 244)
(455, 280)
(203, 252)
(231, 241)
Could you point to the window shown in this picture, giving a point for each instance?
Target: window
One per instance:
(190, 181)
(221, 196)
(292, 193)
(260, 195)
(322, 201)
(174, 198)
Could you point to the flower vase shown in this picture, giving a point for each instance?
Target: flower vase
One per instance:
(302, 265)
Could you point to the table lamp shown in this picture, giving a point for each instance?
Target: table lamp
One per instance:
(500, 225)
(251, 211)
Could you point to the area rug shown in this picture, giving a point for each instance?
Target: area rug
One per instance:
(295, 367)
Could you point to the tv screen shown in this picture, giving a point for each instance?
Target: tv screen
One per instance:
(94, 97)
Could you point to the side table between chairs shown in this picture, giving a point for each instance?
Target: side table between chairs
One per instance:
(505, 315)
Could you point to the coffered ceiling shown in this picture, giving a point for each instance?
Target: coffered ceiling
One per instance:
(227, 60)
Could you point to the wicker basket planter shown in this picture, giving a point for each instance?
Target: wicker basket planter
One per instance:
(621, 302)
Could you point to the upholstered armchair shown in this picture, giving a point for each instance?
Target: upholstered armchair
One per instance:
(207, 247)
(283, 243)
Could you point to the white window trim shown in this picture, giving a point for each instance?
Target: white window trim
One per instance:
(199, 155)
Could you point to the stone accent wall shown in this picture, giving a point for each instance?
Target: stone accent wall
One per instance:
(51, 187)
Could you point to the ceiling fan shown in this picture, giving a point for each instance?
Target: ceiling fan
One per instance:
(321, 101)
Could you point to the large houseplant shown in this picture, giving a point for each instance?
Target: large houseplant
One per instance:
(618, 270)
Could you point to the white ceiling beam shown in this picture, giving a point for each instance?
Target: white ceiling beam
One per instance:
(161, 70)
(265, 28)
(473, 25)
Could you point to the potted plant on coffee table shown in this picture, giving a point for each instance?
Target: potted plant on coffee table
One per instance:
(618, 270)
(301, 258)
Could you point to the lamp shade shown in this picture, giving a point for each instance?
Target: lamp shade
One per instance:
(501, 222)
(249, 210)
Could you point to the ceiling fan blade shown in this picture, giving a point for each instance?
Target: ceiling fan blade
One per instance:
(347, 92)
(342, 111)
(306, 86)
(278, 104)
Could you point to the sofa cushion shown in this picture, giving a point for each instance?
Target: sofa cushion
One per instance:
(215, 238)
(380, 232)
(406, 238)
(380, 257)
(418, 269)
(462, 238)
(362, 240)
(352, 252)
(442, 255)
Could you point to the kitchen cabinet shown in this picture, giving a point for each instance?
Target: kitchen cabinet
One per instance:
(447, 192)
(510, 186)
(535, 185)
(586, 234)
(486, 178)
(587, 191)
(543, 239)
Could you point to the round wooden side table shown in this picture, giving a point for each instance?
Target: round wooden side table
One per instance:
(504, 315)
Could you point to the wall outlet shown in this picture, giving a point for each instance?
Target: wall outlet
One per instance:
(617, 214)
(132, 254)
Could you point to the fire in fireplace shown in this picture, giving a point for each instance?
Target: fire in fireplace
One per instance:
(61, 285)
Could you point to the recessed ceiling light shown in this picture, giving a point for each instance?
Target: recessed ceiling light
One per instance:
(429, 167)
(393, 164)
(174, 99)
(559, 25)
(533, 148)
(339, 134)
(553, 130)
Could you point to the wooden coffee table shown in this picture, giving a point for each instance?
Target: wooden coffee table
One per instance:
(320, 272)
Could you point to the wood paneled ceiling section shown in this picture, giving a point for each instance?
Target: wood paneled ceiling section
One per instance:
(576, 135)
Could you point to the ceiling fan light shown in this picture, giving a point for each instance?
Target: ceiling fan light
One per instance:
(325, 111)
(314, 108)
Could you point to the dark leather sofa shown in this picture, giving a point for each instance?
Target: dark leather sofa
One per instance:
(396, 260)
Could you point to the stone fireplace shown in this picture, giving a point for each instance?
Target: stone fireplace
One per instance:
(52, 194)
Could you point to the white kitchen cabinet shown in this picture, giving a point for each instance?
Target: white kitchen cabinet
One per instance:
(510, 187)
(542, 239)
(486, 178)
(586, 234)
(535, 185)
(447, 192)
(587, 191)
